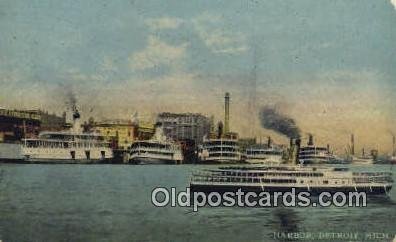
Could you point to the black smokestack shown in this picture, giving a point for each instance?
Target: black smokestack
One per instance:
(269, 144)
(352, 144)
(393, 146)
(310, 140)
(219, 130)
(297, 154)
(273, 120)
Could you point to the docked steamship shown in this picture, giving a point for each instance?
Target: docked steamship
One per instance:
(220, 151)
(222, 148)
(158, 150)
(312, 154)
(264, 154)
(70, 146)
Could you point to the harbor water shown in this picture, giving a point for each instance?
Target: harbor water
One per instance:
(113, 203)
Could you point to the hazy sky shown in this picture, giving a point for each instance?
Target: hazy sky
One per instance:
(331, 65)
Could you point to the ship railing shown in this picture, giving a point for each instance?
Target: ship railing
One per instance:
(227, 179)
(372, 174)
(258, 173)
(146, 149)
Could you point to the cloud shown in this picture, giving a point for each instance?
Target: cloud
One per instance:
(163, 23)
(217, 37)
(157, 53)
(393, 2)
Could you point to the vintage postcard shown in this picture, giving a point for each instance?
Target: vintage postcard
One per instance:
(212, 120)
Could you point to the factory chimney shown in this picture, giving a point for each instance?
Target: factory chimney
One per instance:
(352, 144)
(227, 113)
(393, 147)
(269, 144)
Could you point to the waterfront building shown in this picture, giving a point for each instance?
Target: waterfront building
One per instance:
(52, 122)
(144, 130)
(185, 126)
(121, 133)
(18, 124)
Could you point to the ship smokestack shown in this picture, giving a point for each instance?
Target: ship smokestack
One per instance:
(220, 130)
(310, 140)
(76, 114)
(352, 144)
(294, 151)
(269, 144)
(393, 147)
(328, 148)
(297, 152)
(227, 113)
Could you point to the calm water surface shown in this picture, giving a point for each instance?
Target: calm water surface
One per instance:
(112, 203)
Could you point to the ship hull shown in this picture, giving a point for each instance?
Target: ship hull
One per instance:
(221, 160)
(263, 161)
(152, 161)
(17, 153)
(373, 190)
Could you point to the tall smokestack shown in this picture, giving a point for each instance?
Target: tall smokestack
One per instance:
(227, 113)
(310, 140)
(269, 144)
(352, 144)
(393, 147)
(297, 152)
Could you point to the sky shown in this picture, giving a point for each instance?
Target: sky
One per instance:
(330, 65)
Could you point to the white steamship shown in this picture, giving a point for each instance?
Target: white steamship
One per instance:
(70, 146)
(264, 154)
(158, 150)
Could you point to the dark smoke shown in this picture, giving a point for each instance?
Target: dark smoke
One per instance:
(271, 119)
(71, 100)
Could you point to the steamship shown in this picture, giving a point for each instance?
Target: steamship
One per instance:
(71, 146)
(158, 150)
(222, 148)
(283, 178)
(312, 154)
(264, 154)
(364, 159)
(219, 151)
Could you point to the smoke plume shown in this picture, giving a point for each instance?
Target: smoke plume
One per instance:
(271, 119)
(71, 100)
